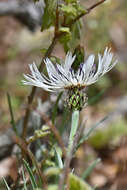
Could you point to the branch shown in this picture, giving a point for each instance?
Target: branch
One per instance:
(88, 10)
(31, 96)
(95, 5)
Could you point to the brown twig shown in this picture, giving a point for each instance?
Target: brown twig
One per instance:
(95, 5)
(55, 132)
(57, 20)
(88, 10)
(31, 96)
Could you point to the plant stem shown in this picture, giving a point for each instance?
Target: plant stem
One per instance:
(11, 113)
(31, 96)
(71, 146)
(74, 126)
(95, 5)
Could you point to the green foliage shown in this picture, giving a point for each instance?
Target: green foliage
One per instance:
(91, 130)
(24, 180)
(74, 127)
(15, 101)
(69, 10)
(40, 133)
(79, 52)
(72, 10)
(96, 97)
(51, 171)
(71, 39)
(77, 183)
(49, 14)
(103, 137)
(58, 158)
(76, 30)
(71, 1)
(69, 27)
(70, 34)
(31, 175)
(65, 30)
(65, 39)
(52, 187)
(7, 187)
(11, 113)
(88, 171)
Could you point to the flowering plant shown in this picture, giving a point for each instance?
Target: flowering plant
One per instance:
(51, 170)
(64, 78)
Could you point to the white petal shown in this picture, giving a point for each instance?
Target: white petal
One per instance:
(68, 61)
(51, 69)
(105, 64)
(88, 67)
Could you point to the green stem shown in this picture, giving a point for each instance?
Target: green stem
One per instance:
(72, 141)
(11, 113)
(74, 126)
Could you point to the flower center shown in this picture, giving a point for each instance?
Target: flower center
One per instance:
(73, 87)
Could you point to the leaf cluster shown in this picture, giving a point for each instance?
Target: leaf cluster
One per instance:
(62, 14)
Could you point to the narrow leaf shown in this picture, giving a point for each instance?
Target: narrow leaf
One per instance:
(24, 180)
(7, 187)
(32, 178)
(96, 97)
(85, 137)
(88, 171)
(58, 158)
(11, 113)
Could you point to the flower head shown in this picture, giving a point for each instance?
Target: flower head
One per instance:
(64, 77)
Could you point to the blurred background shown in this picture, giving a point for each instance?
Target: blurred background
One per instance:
(21, 43)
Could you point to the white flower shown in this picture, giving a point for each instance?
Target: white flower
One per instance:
(64, 77)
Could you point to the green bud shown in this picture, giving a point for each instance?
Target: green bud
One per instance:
(76, 99)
